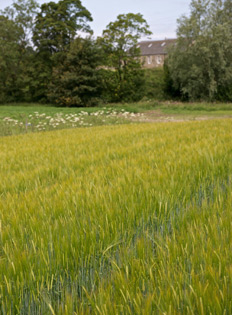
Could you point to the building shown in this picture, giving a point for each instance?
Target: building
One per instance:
(154, 52)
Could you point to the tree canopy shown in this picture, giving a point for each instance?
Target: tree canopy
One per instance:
(121, 36)
(75, 81)
(119, 44)
(57, 24)
(43, 57)
(23, 13)
(200, 64)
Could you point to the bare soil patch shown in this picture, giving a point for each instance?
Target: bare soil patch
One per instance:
(159, 116)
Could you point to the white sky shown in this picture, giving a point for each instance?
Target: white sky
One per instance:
(161, 15)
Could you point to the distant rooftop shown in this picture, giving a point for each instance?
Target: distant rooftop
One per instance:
(155, 47)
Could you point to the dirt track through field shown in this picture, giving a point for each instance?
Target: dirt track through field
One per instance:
(159, 116)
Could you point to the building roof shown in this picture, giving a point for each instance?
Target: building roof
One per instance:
(155, 47)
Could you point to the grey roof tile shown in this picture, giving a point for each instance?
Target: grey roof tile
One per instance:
(155, 47)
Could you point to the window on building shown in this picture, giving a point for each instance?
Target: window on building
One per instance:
(149, 45)
(158, 59)
(149, 60)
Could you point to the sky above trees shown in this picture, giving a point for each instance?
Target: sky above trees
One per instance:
(161, 15)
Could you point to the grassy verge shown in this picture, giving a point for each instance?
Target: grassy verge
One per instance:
(24, 118)
(188, 108)
(176, 108)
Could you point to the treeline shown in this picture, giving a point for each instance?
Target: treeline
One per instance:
(48, 54)
(199, 66)
(44, 58)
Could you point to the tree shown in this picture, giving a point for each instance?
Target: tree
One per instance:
(23, 13)
(75, 82)
(16, 23)
(118, 42)
(57, 25)
(200, 64)
(10, 51)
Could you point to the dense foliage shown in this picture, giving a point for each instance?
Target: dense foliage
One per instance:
(200, 65)
(48, 54)
(43, 57)
(118, 43)
(76, 80)
(154, 87)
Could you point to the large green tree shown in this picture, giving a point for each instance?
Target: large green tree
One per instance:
(23, 13)
(75, 81)
(56, 27)
(10, 59)
(119, 43)
(16, 52)
(200, 64)
(57, 24)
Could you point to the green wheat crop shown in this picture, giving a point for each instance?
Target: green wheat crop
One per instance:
(127, 219)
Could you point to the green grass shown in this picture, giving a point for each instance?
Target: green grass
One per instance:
(129, 219)
(176, 107)
(26, 109)
(14, 110)
(25, 118)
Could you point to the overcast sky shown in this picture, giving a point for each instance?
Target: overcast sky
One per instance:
(161, 15)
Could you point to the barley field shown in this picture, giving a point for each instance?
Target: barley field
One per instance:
(123, 219)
